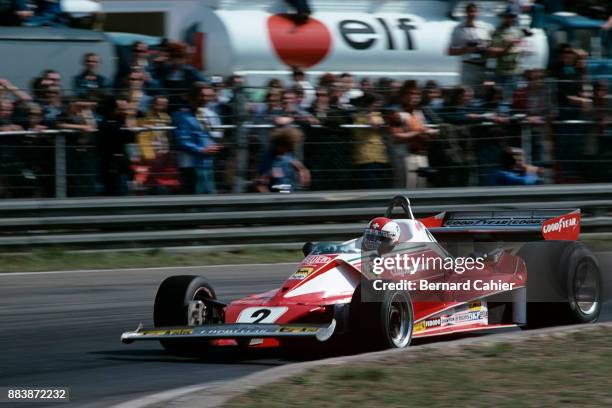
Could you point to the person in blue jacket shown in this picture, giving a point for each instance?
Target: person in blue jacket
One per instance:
(514, 171)
(195, 146)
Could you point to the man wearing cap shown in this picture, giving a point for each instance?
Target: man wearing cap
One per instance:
(506, 49)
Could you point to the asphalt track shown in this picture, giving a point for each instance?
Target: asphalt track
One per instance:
(62, 329)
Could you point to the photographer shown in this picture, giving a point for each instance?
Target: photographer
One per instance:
(470, 40)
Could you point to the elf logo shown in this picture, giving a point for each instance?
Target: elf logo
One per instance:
(307, 44)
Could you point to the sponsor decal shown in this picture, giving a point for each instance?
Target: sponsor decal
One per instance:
(563, 223)
(291, 329)
(565, 227)
(303, 45)
(419, 327)
(488, 222)
(302, 273)
(167, 332)
(316, 260)
(237, 331)
(307, 43)
(458, 318)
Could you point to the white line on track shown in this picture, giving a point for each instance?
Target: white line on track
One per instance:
(166, 395)
(160, 268)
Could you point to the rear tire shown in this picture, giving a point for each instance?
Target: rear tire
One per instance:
(563, 284)
(171, 309)
(385, 323)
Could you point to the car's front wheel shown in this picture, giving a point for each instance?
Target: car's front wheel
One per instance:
(172, 309)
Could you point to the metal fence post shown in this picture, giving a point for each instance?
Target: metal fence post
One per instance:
(526, 143)
(242, 141)
(60, 165)
(242, 158)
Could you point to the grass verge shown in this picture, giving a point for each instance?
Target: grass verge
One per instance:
(562, 370)
(57, 259)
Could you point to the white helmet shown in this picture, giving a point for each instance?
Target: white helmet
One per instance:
(381, 232)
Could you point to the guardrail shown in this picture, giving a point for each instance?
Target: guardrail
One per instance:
(267, 218)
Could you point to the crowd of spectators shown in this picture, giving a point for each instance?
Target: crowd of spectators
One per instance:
(161, 127)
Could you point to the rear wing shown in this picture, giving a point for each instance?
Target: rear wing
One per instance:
(553, 225)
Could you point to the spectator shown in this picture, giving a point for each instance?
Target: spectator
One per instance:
(366, 85)
(299, 80)
(14, 12)
(285, 173)
(208, 113)
(302, 9)
(533, 100)
(470, 41)
(52, 105)
(346, 84)
(327, 80)
(6, 87)
(135, 92)
(156, 142)
(370, 158)
(410, 135)
(196, 147)
(34, 153)
(514, 171)
(177, 77)
(49, 78)
(138, 60)
(506, 49)
(82, 153)
(48, 13)
(432, 102)
(157, 167)
(6, 116)
(292, 113)
(89, 84)
(114, 137)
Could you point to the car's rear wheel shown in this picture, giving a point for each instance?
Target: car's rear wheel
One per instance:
(384, 322)
(563, 283)
(172, 309)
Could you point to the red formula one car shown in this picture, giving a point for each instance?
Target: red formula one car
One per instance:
(527, 270)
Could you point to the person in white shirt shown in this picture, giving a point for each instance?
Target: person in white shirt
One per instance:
(470, 41)
(299, 80)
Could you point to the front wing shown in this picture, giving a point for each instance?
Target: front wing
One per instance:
(232, 331)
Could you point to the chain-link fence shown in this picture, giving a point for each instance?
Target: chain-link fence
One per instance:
(259, 140)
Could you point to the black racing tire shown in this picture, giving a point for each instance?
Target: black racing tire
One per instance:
(564, 284)
(171, 308)
(385, 323)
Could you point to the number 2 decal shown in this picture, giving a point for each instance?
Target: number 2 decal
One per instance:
(260, 315)
(264, 315)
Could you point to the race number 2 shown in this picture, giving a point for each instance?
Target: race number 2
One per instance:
(256, 315)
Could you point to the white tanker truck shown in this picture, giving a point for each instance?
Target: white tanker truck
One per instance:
(259, 39)
(402, 45)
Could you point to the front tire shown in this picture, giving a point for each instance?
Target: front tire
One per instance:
(171, 309)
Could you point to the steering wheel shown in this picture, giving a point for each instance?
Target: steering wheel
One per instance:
(401, 201)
